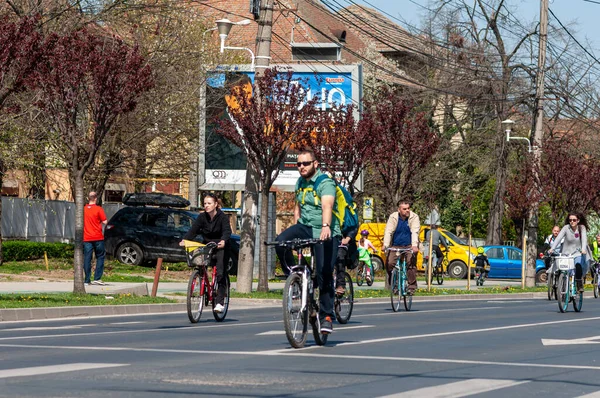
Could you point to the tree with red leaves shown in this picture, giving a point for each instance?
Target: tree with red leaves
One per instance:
(402, 141)
(344, 145)
(266, 120)
(521, 192)
(20, 50)
(85, 82)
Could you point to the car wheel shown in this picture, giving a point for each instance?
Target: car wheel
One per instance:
(130, 253)
(541, 277)
(457, 269)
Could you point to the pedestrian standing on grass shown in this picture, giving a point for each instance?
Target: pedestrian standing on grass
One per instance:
(94, 219)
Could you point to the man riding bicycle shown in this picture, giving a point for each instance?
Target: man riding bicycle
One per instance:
(313, 214)
(402, 231)
(437, 239)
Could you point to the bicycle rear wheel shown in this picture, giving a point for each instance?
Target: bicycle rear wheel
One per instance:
(396, 292)
(360, 274)
(563, 292)
(596, 287)
(344, 303)
(220, 316)
(408, 298)
(551, 290)
(577, 300)
(320, 338)
(195, 296)
(295, 319)
(439, 275)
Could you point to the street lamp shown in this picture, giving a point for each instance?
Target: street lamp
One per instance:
(224, 27)
(507, 125)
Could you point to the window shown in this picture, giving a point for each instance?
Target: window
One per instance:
(316, 52)
(514, 254)
(495, 252)
(180, 222)
(126, 217)
(158, 219)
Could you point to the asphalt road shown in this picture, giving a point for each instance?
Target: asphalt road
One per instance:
(494, 348)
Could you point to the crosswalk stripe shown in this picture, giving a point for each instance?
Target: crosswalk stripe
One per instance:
(458, 389)
(43, 370)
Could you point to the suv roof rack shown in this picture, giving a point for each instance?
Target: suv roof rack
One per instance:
(155, 199)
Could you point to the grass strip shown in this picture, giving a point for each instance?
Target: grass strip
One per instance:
(34, 300)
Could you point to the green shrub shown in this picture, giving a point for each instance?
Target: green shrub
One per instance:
(20, 250)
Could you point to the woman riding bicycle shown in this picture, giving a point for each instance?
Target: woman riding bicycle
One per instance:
(364, 244)
(214, 226)
(574, 234)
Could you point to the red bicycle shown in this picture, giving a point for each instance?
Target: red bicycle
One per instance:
(200, 290)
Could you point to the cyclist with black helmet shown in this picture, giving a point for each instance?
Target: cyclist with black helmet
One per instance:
(364, 244)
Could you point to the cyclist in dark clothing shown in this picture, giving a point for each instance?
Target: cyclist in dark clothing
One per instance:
(481, 261)
(347, 254)
(214, 226)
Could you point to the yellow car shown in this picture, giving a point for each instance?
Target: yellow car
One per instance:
(458, 250)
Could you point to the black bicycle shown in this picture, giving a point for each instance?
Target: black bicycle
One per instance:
(301, 295)
(344, 302)
(437, 270)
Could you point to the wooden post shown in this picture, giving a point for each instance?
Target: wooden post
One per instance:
(46, 260)
(524, 260)
(469, 250)
(156, 276)
(429, 261)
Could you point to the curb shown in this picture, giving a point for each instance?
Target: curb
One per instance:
(27, 314)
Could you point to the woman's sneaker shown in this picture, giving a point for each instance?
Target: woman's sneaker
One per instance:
(219, 308)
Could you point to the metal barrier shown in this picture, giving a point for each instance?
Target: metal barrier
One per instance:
(43, 220)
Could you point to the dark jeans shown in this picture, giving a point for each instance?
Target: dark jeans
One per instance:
(97, 247)
(411, 266)
(220, 257)
(324, 260)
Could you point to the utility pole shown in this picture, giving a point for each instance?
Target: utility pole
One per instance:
(249, 230)
(537, 146)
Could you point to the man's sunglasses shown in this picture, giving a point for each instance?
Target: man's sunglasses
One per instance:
(307, 163)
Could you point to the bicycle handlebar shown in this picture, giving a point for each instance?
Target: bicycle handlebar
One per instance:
(294, 243)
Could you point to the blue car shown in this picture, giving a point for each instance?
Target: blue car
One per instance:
(505, 262)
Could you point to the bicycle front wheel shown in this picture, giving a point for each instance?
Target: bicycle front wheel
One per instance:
(295, 318)
(195, 296)
(344, 303)
(596, 287)
(220, 316)
(563, 292)
(396, 292)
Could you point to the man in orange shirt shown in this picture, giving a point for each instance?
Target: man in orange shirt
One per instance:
(93, 239)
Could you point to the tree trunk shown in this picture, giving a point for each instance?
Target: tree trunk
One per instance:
(1, 179)
(247, 238)
(494, 233)
(78, 286)
(263, 271)
(532, 252)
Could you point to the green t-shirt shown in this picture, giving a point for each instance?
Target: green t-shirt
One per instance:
(311, 213)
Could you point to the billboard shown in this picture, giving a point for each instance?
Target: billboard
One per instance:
(225, 164)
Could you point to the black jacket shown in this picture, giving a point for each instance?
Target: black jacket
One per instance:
(212, 230)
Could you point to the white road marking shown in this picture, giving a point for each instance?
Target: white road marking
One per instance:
(125, 323)
(35, 328)
(592, 395)
(458, 389)
(406, 313)
(294, 352)
(508, 301)
(467, 331)
(336, 329)
(585, 340)
(43, 370)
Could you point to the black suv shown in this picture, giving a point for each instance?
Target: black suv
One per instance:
(137, 235)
